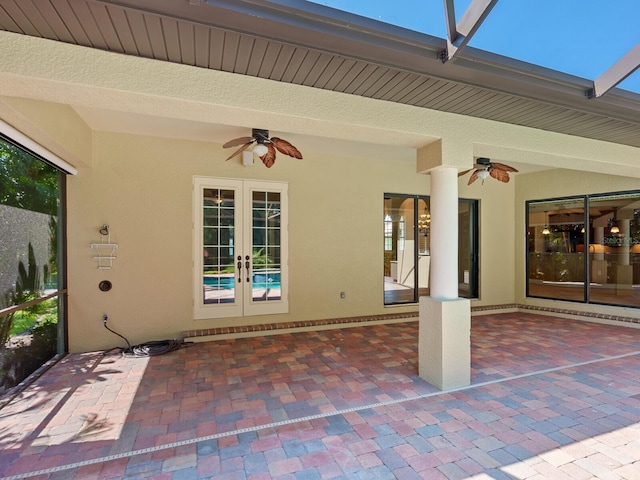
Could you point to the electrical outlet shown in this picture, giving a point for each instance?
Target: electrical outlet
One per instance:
(342, 295)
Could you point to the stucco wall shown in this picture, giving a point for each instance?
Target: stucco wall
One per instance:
(142, 188)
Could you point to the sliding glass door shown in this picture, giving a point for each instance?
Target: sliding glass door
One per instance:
(585, 249)
(407, 248)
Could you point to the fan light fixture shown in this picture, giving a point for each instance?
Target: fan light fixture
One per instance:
(260, 149)
(482, 174)
(265, 148)
(485, 168)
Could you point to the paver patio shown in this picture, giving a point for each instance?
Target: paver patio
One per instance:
(550, 398)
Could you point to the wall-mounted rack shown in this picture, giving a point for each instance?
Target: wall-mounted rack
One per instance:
(105, 249)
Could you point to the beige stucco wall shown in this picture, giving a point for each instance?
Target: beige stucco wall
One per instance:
(54, 126)
(141, 185)
(496, 244)
(142, 188)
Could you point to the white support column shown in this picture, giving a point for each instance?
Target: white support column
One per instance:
(444, 348)
(444, 233)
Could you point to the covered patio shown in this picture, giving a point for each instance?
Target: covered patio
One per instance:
(550, 398)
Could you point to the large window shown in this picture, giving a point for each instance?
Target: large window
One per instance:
(407, 248)
(31, 261)
(585, 249)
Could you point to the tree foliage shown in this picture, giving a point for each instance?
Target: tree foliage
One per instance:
(26, 181)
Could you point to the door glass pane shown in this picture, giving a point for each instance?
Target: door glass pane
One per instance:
(266, 247)
(614, 249)
(423, 245)
(556, 239)
(466, 247)
(218, 246)
(407, 243)
(400, 249)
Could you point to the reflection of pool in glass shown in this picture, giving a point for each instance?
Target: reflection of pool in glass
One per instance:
(259, 280)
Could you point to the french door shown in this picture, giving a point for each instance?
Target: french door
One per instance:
(240, 243)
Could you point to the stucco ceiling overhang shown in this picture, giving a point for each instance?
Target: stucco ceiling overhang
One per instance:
(307, 44)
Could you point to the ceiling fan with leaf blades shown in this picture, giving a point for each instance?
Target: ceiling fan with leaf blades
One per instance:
(485, 168)
(265, 147)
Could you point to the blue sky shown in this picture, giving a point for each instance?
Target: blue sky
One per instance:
(579, 37)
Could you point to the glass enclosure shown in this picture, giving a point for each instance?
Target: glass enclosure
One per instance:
(31, 277)
(561, 267)
(407, 248)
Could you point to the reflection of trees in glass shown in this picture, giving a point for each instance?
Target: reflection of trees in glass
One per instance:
(31, 185)
(27, 182)
(28, 285)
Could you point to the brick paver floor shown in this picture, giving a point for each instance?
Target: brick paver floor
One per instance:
(550, 399)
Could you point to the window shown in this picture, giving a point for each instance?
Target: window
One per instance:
(407, 248)
(388, 233)
(31, 263)
(585, 249)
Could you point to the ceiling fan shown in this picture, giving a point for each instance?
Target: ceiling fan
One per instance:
(485, 168)
(265, 147)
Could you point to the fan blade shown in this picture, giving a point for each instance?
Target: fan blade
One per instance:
(269, 158)
(465, 172)
(473, 177)
(238, 141)
(285, 147)
(499, 174)
(240, 150)
(502, 166)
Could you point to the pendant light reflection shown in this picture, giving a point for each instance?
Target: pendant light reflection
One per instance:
(614, 227)
(545, 230)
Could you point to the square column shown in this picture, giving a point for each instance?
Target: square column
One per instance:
(444, 345)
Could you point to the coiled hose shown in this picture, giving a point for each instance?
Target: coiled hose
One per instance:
(147, 349)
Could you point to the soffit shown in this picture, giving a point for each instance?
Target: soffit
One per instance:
(342, 53)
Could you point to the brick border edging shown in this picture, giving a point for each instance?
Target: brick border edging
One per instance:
(563, 311)
(289, 325)
(267, 327)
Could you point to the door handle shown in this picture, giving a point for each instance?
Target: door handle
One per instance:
(247, 266)
(239, 268)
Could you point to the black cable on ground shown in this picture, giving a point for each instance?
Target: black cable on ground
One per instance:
(147, 349)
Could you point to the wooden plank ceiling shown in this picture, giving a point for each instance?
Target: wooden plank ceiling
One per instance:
(252, 38)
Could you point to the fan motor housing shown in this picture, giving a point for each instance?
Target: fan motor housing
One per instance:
(260, 135)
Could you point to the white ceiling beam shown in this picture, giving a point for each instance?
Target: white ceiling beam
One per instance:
(459, 36)
(450, 17)
(620, 70)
